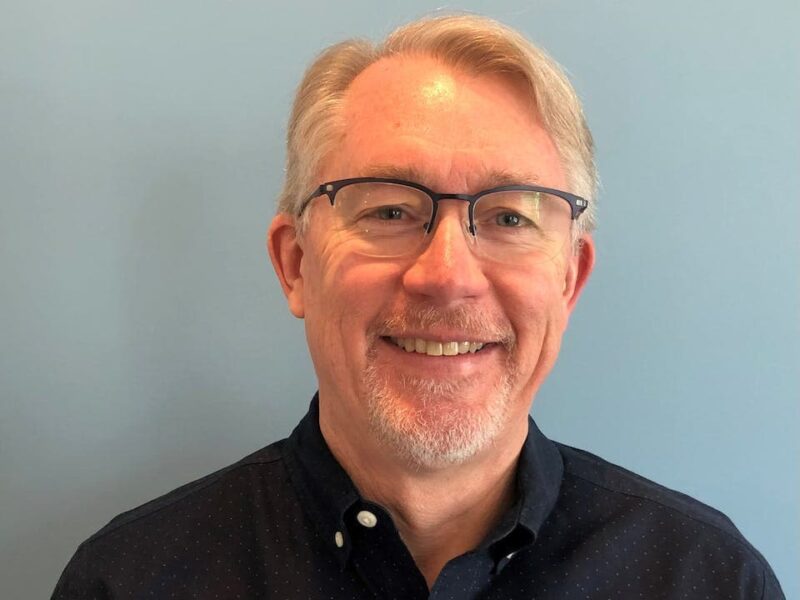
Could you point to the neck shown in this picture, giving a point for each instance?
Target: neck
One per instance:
(440, 513)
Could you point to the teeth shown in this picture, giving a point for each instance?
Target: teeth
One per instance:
(450, 348)
(430, 348)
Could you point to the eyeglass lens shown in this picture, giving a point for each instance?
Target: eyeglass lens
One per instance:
(390, 220)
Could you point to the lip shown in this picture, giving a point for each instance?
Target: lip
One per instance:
(439, 336)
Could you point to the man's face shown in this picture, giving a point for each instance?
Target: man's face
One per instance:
(454, 133)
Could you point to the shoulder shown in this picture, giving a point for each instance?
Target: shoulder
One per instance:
(200, 534)
(648, 515)
(243, 478)
(584, 469)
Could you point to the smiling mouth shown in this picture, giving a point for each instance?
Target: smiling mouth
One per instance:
(432, 348)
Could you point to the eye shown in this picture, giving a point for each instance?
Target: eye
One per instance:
(510, 219)
(389, 213)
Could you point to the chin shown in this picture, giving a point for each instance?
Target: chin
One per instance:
(428, 424)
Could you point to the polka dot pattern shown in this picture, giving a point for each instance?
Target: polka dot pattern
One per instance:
(287, 522)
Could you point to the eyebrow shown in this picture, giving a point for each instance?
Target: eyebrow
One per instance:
(491, 179)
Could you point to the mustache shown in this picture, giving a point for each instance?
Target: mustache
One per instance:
(473, 322)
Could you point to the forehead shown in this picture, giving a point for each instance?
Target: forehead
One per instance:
(450, 127)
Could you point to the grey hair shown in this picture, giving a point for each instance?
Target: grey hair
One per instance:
(473, 44)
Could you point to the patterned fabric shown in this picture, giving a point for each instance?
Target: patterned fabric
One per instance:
(287, 522)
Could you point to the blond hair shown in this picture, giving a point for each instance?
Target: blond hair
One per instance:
(473, 44)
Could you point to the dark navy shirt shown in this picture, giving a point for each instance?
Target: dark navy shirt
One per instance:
(287, 522)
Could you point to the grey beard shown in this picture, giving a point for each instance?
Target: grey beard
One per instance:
(434, 429)
(438, 431)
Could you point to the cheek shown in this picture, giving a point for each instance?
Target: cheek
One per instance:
(344, 293)
(533, 302)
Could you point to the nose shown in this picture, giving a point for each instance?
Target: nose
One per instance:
(447, 271)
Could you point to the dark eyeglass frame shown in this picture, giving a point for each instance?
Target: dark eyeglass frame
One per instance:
(331, 188)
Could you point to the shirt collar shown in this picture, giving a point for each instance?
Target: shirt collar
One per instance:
(328, 493)
(539, 476)
(323, 487)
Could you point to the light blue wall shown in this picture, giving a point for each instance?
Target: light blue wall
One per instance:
(143, 338)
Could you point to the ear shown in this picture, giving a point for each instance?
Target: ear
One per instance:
(580, 265)
(286, 253)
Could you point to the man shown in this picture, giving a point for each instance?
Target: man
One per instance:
(434, 234)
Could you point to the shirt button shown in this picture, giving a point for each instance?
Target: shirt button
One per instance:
(367, 519)
(339, 539)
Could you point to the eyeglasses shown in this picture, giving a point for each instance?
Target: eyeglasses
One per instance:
(385, 217)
